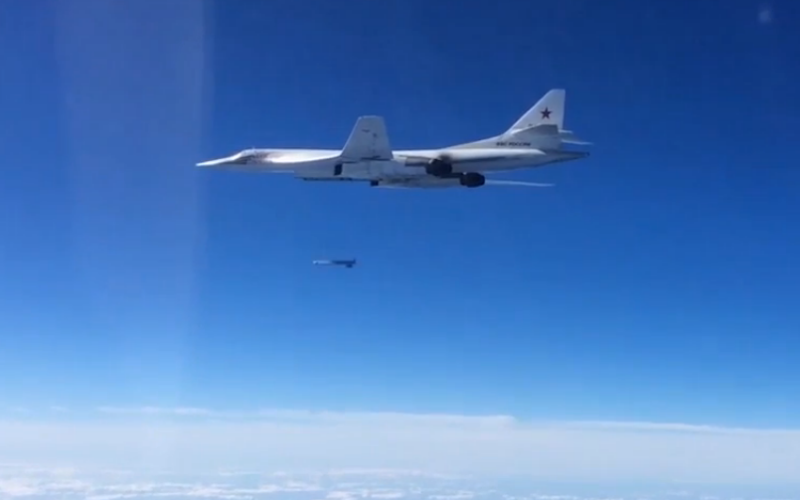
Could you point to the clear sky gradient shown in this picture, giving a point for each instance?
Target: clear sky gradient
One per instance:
(658, 281)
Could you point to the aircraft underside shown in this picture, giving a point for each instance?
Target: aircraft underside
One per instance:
(417, 172)
(468, 180)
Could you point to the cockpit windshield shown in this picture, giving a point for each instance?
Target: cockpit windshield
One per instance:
(247, 155)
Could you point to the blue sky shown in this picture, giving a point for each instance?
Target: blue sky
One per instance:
(658, 281)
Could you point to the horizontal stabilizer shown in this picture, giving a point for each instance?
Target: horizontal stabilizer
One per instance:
(544, 129)
(549, 136)
(368, 141)
(567, 137)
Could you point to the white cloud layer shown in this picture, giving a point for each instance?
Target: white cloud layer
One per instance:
(194, 439)
(36, 483)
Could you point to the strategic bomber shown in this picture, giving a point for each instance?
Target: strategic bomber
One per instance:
(536, 139)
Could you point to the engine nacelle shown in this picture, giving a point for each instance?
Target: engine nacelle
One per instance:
(439, 168)
(472, 180)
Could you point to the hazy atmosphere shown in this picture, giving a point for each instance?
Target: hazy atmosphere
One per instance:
(631, 332)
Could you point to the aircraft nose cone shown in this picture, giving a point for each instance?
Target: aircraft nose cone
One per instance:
(216, 162)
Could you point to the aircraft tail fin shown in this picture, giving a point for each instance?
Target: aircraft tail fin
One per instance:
(549, 110)
(542, 126)
(368, 141)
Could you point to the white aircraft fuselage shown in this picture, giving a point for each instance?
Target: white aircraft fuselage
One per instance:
(368, 157)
